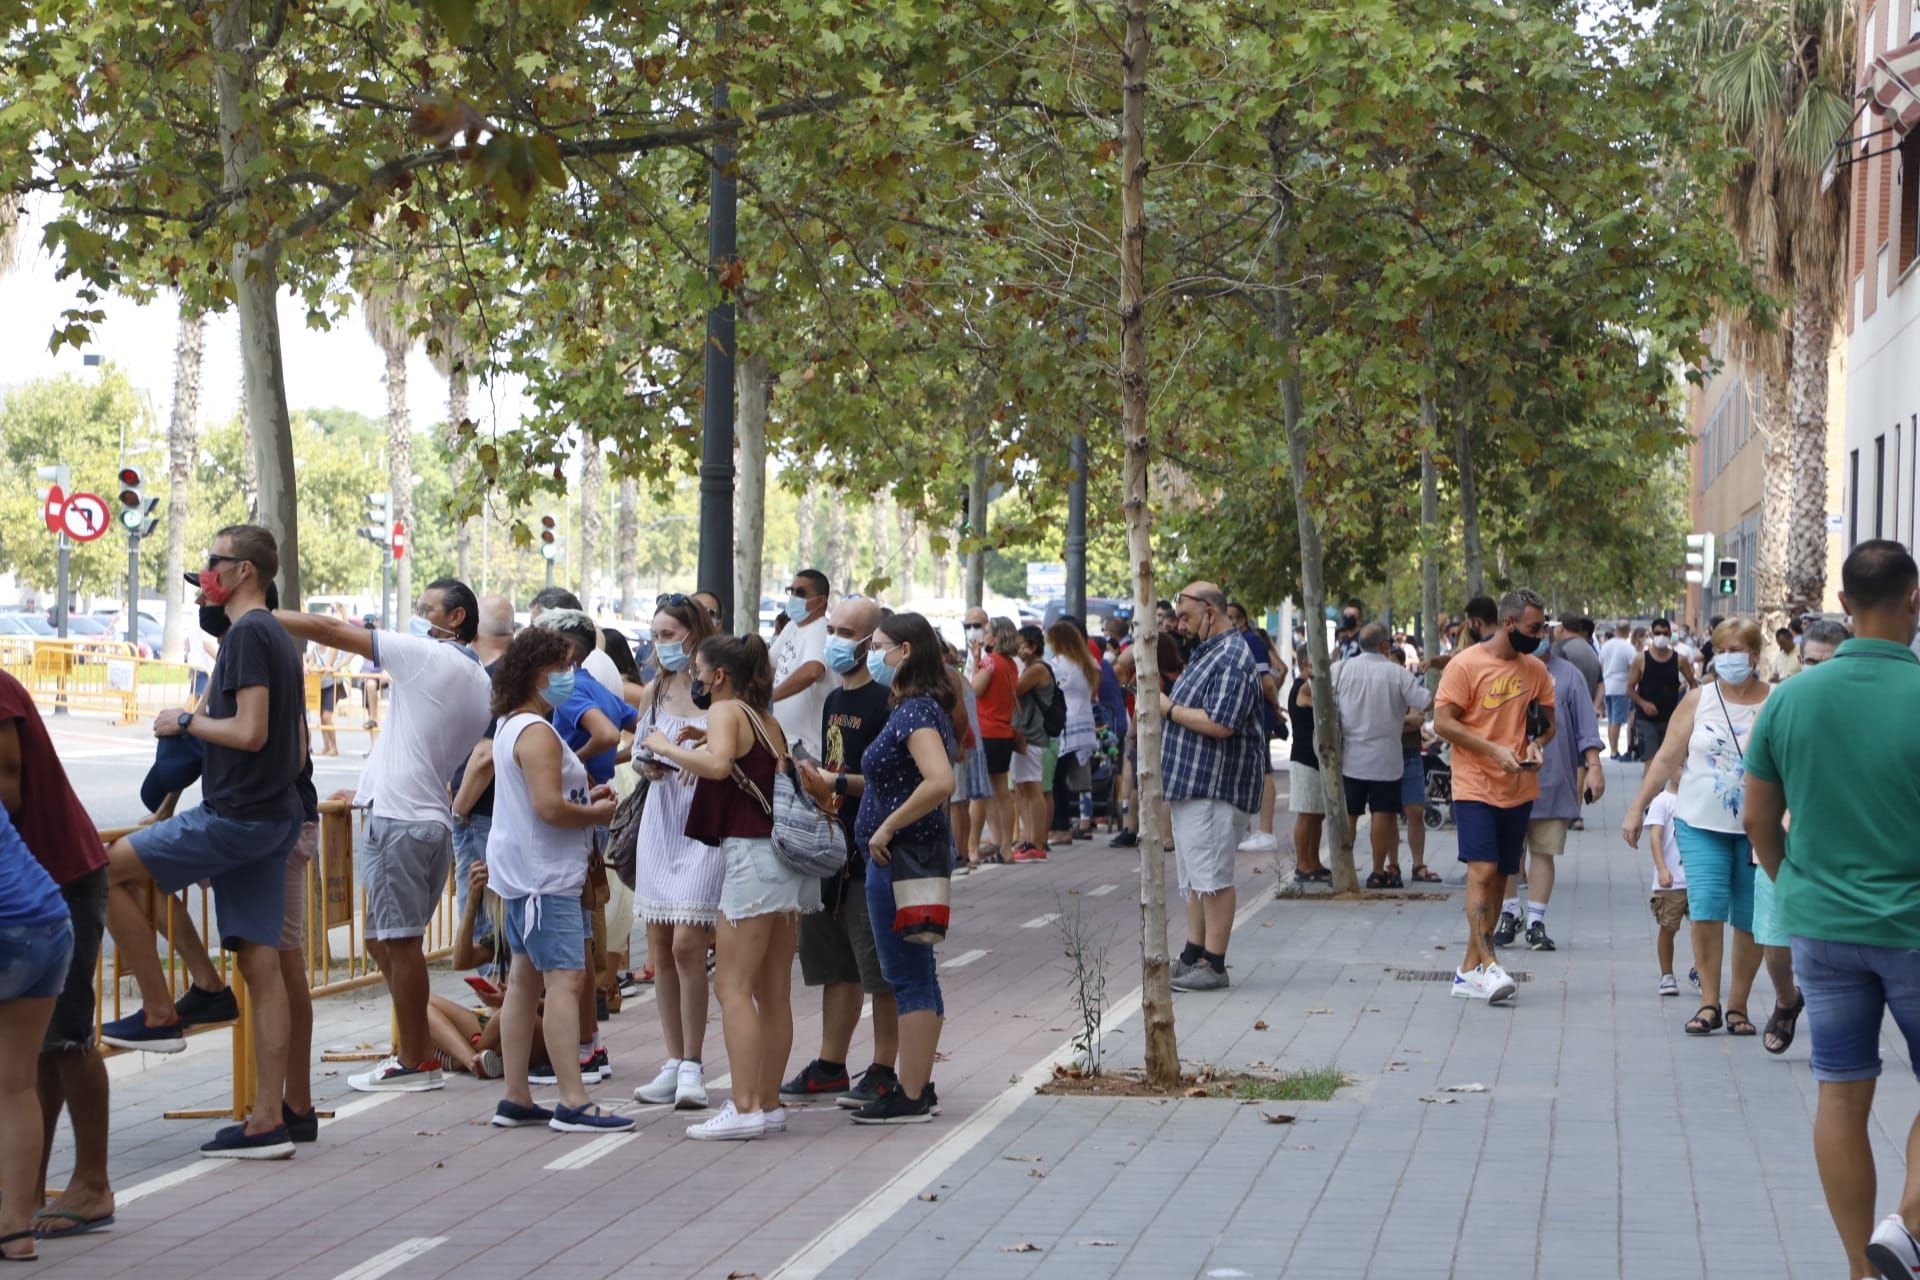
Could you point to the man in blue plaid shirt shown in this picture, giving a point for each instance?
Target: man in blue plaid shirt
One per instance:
(1213, 761)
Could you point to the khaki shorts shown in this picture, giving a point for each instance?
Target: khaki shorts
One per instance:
(1669, 907)
(293, 922)
(1305, 794)
(1206, 835)
(1548, 836)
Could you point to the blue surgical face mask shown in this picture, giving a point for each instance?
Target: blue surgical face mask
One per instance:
(1734, 668)
(797, 608)
(419, 626)
(842, 655)
(558, 688)
(877, 668)
(670, 654)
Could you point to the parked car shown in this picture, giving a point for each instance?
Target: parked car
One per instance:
(33, 623)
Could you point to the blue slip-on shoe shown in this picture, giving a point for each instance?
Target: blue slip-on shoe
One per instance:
(132, 1032)
(235, 1143)
(587, 1119)
(511, 1115)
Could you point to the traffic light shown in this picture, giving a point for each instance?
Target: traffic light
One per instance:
(1699, 556)
(550, 536)
(1729, 576)
(55, 482)
(136, 508)
(379, 527)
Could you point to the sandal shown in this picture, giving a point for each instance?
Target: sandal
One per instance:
(1321, 876)
(1393, 877)
(1377, 880)
(1739, 1024)
(1699, 1025)
(18, 1257)
(1780, 1027)
(1425, 874)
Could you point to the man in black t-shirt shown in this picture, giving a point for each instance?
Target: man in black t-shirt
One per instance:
(837, 950)
(254, 731)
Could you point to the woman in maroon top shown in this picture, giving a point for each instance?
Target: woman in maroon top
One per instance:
(995, 673)
(761, 900)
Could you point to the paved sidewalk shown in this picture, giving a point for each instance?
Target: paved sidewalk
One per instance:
(1607, 1143)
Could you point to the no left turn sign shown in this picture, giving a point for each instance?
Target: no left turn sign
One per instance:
(85, 517)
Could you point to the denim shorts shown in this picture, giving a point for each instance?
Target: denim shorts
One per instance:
(1720, 874)
(34, 959)
(757, 883)
(1489, 833)
(1619, 707)
(1848, 987)
(247, 862)
(549, 929)
(1413, 781)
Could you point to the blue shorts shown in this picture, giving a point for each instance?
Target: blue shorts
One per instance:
(1619, 707)
(1720, 874)
(1489, 833)
(1766, 926)
(247, 862)
(34, 959)
(549, 929)
(1413, 781)
(1848, 988)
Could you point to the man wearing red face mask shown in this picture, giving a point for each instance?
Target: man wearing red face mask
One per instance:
(253, 729)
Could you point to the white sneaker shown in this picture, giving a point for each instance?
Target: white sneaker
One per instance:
(776, 1119)
(1471, 984)
(663, 1086)
(1669, 986)
(1259, 842)
(1501, 987)
(392, 1077)
(1894, 1250)
(690, 1090)
(728, 1125)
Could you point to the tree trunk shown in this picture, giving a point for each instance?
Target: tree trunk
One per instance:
(877, 523)
(1771, 587)
(904, 585)
(183, 448)
(803, 531)
(1313, 576)
(400, 477)
(624, 553)
(977, 528)
(456, 448)
(1807, 452)
(838, 556)
(1156, 991)
(1475, 553)
(750, 524)
(593, 477)
(1429, 537)
(255, 270)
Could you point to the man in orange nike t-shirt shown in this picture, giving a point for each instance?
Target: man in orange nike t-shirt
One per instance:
(1482, 710)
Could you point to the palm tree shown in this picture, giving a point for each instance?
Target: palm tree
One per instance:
(451, 358)
(388, 298)
(1780, 75)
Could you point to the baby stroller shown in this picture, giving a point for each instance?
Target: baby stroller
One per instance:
(1438, 772)
(1105, 768)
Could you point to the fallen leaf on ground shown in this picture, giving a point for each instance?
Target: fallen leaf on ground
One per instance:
(1260, 1025)
(1448, 1101)
(1475, 1087)
(1100, 1244)
(1025, 1159)
(1319, 1011)
(1025, 1246)
(743, 1275)
(928, 1196)
(1272, 1117)
(1035, 1173)
(1196, 1093)
(939, 1057)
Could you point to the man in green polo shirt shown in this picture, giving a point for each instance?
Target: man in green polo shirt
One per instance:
(1836, 746)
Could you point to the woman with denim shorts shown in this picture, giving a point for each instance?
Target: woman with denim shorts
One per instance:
(1705, 747)
(903, 824)
(761, 898)
(36, 943)
(544, 811)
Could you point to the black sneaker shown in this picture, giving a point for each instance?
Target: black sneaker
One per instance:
(199, 1008)
(1507, 930)
(895, 1107)
(301, 1128)
(1537, 939)
(815, 1082)
(235, 1143)
(874, 1081)
(1125, 840)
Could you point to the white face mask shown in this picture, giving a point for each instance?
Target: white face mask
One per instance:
(1661, 642)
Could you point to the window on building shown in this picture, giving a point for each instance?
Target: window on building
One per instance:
(1853, 508)
(1906, 235)
(1893, 525)
(1879, 482)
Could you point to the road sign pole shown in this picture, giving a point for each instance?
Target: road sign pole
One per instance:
(386, 577)
(549, 571)
(133, 591)
(60, 588)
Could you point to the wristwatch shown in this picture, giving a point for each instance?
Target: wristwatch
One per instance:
(186, 718)
(839, 784)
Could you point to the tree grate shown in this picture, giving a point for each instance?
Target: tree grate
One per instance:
(1446, 975)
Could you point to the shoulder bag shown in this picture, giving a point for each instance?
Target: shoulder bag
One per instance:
(623, 835)
(806, 839)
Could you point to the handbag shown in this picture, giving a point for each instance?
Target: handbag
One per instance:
(623, 834)
(922, 874)
(806, 839)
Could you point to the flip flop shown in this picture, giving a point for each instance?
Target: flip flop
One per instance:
(25, 1257)
(78, 1224)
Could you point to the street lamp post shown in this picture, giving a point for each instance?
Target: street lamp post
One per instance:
(716, 443)
(1077, 530)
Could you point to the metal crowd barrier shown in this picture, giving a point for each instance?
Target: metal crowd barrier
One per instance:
(336, 958)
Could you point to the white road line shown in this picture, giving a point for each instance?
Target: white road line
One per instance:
(582, 1156)
(1041, 922)
(160, 1182)
(392, 1259)
(962, 960)
(859, 1222)
(1102, 891)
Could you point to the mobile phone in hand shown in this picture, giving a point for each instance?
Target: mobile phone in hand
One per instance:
(481, 985)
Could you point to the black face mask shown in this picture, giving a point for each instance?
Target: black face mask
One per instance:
(1522, 642)
(214, 620)
(702, 696)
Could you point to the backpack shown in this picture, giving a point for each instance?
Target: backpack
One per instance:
(1053, 712)
(807, 840)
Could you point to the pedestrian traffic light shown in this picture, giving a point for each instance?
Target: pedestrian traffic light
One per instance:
(1699, 556)
(379, 527)
(550, 536)
(1729, 576)
(136, 508)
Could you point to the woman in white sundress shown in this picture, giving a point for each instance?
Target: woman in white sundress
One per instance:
(676, 880)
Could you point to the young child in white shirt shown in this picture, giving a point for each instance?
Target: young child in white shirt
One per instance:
(1669, 901)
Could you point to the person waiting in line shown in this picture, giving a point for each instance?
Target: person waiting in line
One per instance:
(545, 809)
(1374, 696)
(1306, 793)
(970, 781)
(677, 879)
(1167, 651)
(902, 831)
(1077, 676)
(36, 949)
(991, 646)
(1413, 775)
(1705, 746)
(762, 899)
(1033, 696)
